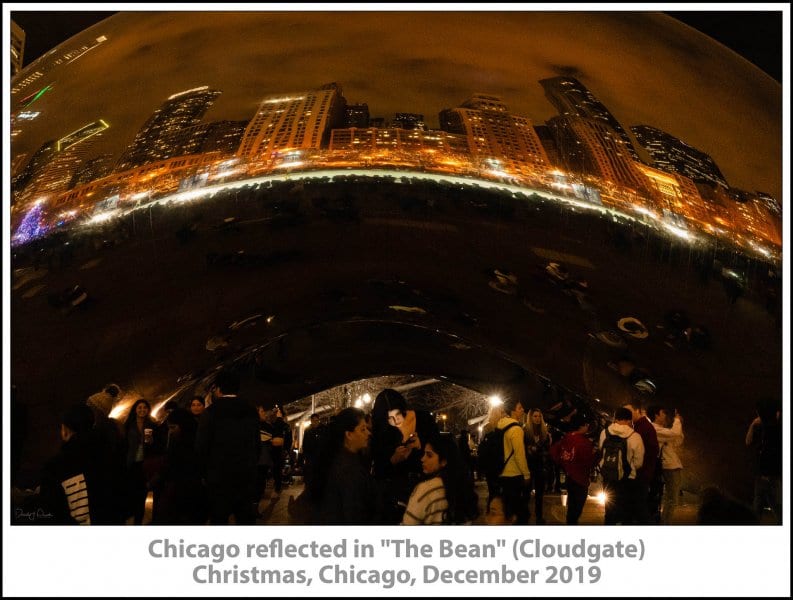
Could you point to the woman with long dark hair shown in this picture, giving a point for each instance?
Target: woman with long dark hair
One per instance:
(447, 495)
(342, 491)
(398, 436)
(139, 434)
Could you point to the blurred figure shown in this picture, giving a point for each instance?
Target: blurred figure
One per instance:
(182, 498)
(343, 491)
(466, 447)
(765, 437)
(111, 450)
(576, 456)
(538, 445)
(718, 508)
(227, 444)
(447, 493)
(279, 443)
(496, 514)
(312, 446)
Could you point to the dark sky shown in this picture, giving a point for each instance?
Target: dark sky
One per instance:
(755, 35)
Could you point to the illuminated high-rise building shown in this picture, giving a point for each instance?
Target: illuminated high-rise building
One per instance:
(37, 162)
(497, 140)
(218, 136)
(17, 48)
(294, 121)
(549, 144)
(357, 115)
(169, 129)
(91, 170)
(673, 155)
(372, 139)
(69, 154)
(572, 98)
(408, 121)
(592, 147)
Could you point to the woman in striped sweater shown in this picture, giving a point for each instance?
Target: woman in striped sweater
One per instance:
(447, 495)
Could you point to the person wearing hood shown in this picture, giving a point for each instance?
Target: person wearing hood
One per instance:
(620, 504)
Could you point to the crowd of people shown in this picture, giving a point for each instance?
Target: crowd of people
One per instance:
(210, 462)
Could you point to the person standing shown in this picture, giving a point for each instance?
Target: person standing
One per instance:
(398, 436)
(538, 444)
(619, 464)
(670, 440)
(576, 455)
(227, 444)
(765, 436)
(139, 433)
(74, 485)
(343, 491)
(646, 473)
(514, 478)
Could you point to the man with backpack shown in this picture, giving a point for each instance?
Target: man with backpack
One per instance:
(622, 454)
(514, 472)
(576, 455)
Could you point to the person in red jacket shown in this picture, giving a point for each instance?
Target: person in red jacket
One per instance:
(576, 454)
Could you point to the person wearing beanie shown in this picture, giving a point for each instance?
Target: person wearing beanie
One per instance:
(103, 401)
(111, 447)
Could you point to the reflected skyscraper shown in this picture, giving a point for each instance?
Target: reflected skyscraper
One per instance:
(17, 48)
(294, 121)
(572, 98)
(170, 129)
(673, 155)
(496, 138)
(65, 158)
(592, 147)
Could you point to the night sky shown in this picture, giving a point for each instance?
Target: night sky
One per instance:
(646, 67)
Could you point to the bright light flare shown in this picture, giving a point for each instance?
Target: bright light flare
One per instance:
(495, 400)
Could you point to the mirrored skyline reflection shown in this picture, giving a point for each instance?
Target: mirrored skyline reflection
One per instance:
(646, 68)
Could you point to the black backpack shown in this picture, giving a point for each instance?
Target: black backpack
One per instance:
(491, 452)
(614, 465)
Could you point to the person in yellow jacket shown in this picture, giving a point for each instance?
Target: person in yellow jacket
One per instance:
(515, 477)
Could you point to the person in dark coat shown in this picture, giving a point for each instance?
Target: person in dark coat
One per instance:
(398, 437)
(344, 490)
(74, 486)
(182, 495)
(227, 444)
